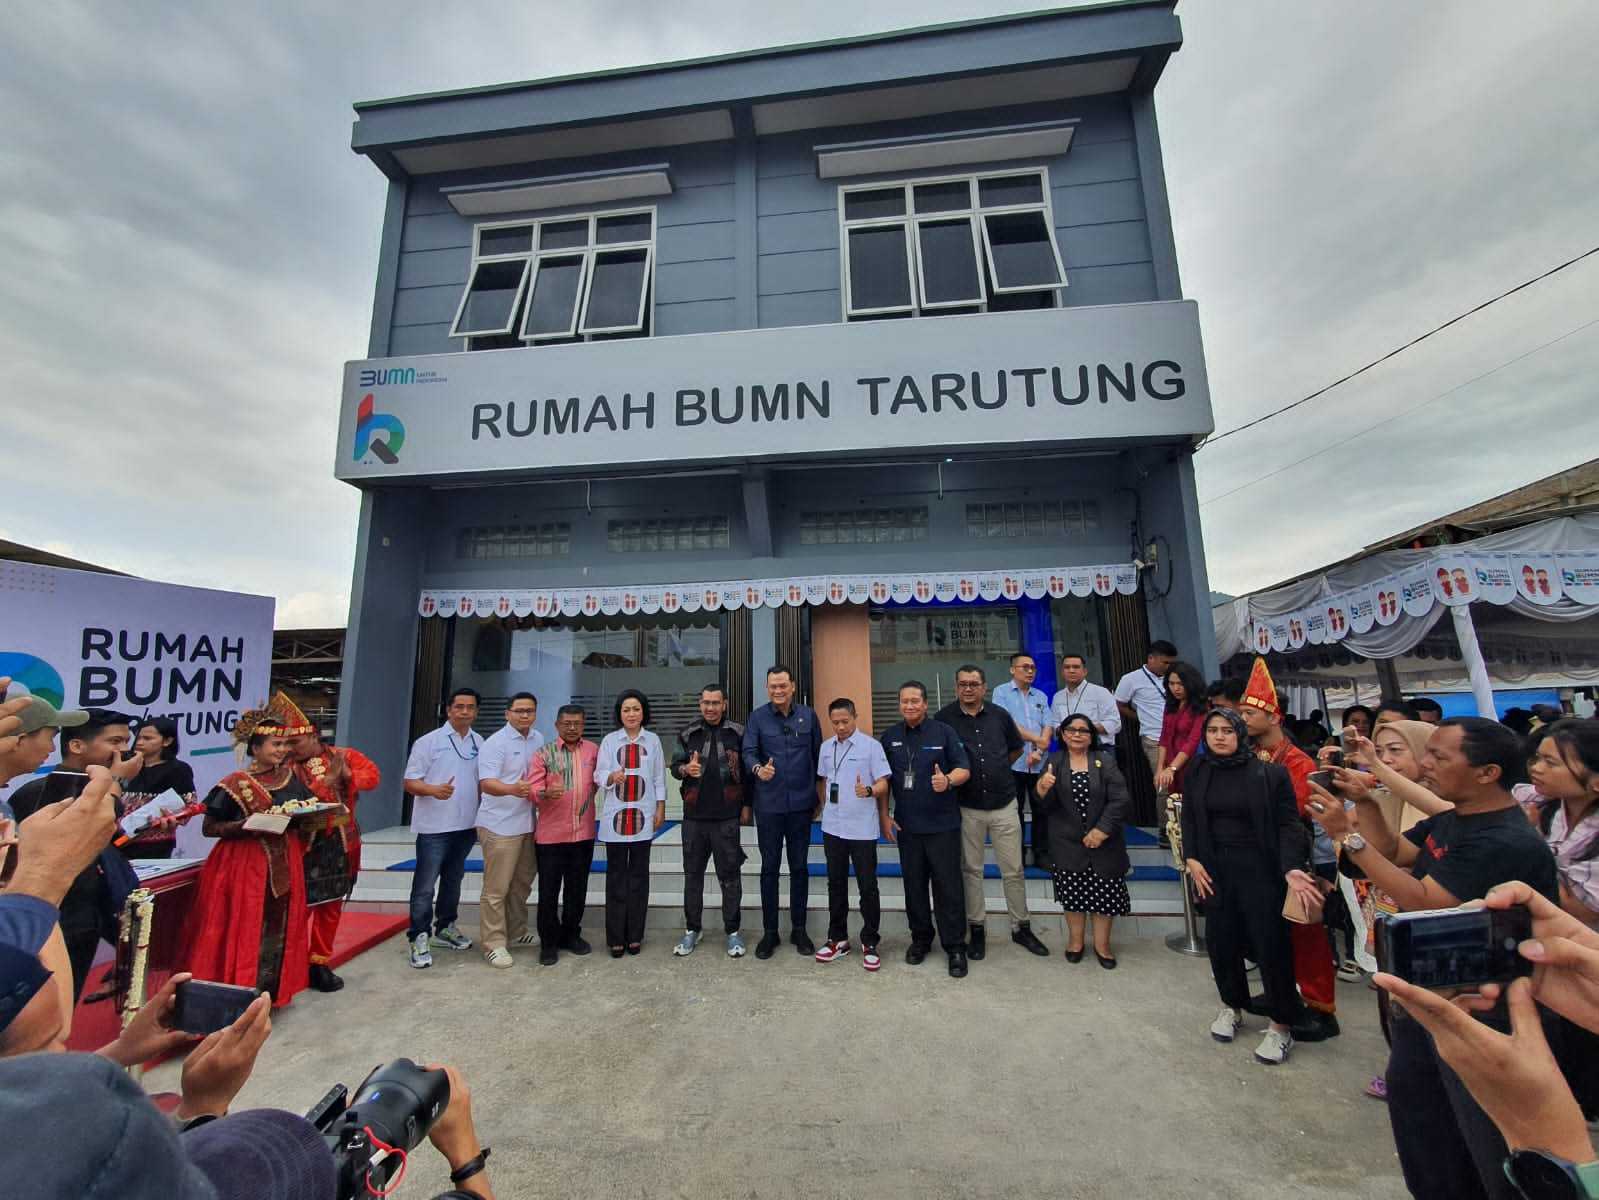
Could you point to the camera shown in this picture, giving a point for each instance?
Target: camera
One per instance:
(1455, 947)
(393, 1109)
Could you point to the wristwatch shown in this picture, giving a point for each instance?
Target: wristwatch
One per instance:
(1353, 843)
(1541, 1176)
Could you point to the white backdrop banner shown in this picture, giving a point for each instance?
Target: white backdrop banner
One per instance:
(85, 640)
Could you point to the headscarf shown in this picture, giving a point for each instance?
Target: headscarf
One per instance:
(1415, 734)
(1399, 815)
(1245, 752)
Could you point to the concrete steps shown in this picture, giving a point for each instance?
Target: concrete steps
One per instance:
(1154, 885)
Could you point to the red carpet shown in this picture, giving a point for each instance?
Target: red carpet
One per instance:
(93, 1025)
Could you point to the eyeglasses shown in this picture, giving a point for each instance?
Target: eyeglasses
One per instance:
(522, 712)
(1079, 731)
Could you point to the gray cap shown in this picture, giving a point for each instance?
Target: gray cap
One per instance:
(41, 714)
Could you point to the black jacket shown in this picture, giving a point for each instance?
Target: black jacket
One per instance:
(1107, 811)
(723, 745)
(1273, 811)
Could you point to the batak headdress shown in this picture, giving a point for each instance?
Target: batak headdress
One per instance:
(295, 722)
(1261, 692)
(265, 721)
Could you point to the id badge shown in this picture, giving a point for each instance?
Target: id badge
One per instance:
(910, 779)
(832, 792)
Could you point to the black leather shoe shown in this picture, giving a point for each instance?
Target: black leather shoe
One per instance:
(1257, 1007)
(1108, 961)
(1074, 956)
(976, 943)
(323, 979)
(916, 955)
(1314, 1027)
(957, 965)
(576, 945)
(801, 941)
(1024, 937)
(547, 957)
(768, 943)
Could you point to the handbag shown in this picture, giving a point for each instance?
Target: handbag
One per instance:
(1294, 910)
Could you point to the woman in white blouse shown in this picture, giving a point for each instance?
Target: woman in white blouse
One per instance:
(632, 768)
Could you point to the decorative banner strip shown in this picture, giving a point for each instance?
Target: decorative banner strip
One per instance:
(1453, 577)
(1035, 582)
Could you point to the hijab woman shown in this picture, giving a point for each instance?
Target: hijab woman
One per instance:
(1246, 851)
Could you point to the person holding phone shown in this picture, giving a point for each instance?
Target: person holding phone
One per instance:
(250, 924)
(1448, 1146)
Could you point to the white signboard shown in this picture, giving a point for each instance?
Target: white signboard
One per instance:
(83, 640)
(1093, 374)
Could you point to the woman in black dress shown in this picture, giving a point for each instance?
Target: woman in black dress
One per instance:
(1085, 799)
(1246, 848)
(157, 744)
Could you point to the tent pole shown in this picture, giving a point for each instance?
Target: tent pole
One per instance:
(1388, 689)
(1481, 687)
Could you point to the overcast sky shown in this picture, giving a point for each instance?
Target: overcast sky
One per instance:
(188, 248)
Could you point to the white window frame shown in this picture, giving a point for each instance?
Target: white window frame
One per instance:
(975, 214)
(534, 257)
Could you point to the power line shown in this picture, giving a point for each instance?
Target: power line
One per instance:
(1526, 283)
(1405, 413)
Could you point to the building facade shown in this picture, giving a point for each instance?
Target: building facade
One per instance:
(868, 356)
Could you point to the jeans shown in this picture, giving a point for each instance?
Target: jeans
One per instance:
(441, 861)
(841, 852)
(627, 892)
(703, 841)
(935, 858)
(773, 830)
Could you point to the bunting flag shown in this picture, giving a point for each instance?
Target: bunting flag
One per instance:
(1110, 579)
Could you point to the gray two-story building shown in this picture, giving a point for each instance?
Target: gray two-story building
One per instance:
(868, 356)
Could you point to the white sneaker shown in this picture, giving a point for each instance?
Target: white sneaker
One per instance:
(1274, 1047)
(527, 939)
(498, 957)
(691, 938)
(735, 945)
(421, 955)
(1349, 971)
(1226, 1025)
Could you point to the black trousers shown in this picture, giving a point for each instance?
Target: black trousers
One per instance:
(1245, 914)
(934, 858)
(1027, 799)
(841, 852)
(1448, 1147)
(563, 871)
(627, 891)
(777, 832)
(702, 842)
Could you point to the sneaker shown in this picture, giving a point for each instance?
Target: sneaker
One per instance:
(831, 950)
(1349, 971)
(1377, 1089)
(421, 956)
(870, 959)
(452, 939)
(1226, 1025)
(691, 938)
(735, 945)
(527, 939)
(499, 957)
(1274, 1047)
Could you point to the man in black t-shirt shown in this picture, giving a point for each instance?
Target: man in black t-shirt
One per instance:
(1448, 1147)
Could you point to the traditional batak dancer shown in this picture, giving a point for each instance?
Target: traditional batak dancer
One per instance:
(334, 774)
(250, 918)
(1314, 970)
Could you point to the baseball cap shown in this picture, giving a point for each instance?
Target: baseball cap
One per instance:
(41, 714)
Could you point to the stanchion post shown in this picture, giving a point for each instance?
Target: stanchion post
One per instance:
(1187, 940)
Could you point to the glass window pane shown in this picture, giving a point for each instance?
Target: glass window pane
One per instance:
(1010, 189)
(517, 239)
(944, 197)
(884, 202)
(879, 272)
(492, 296)
(616, 293)
(563, 235)
(1023, 257)
(633, 227)
(555, 289)
(949, 262)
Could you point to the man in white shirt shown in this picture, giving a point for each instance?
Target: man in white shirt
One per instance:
(1094, 702)
(852, 801)
(441, 778)
(505, 830)
(1141, 698)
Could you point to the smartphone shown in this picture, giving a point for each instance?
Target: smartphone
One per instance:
(1455, 947)
(1322, 779)
(63, 785)
(1335, 758)
(202, 1007)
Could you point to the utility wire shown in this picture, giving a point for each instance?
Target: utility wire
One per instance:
(1405, 413)
(1526, 283)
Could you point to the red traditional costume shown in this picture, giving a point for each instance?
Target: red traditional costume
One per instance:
(250, 917)
(333, 840)
(1314, 971)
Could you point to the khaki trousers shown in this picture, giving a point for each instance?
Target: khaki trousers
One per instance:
(509, 868)
(1004, 828)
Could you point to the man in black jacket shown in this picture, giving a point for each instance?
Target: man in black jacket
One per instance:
(715, 802)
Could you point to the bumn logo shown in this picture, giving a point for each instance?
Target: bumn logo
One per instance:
(34, 676)
(378, 434)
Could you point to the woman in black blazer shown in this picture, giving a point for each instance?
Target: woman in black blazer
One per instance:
(1246, 849)
(1084, 799)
